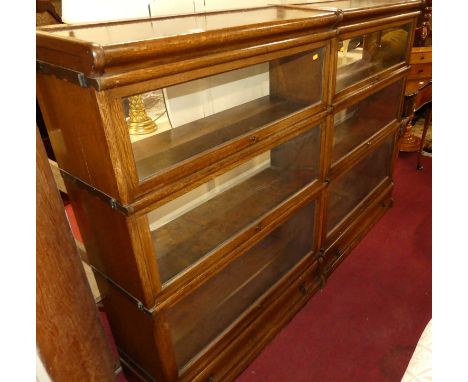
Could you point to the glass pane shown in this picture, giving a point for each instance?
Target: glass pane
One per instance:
(170, 125)
(363, 56)
(189, 227)
(350, 189)
(360, 121)
(201, 316)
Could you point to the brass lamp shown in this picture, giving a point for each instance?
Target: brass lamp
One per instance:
(139, 122)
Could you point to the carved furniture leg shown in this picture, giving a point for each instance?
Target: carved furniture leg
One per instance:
(409, 142)
(423, 138)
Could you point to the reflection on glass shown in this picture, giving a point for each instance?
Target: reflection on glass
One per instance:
(360, 121)
(363, 56)
(350, 189)
(191, 226)
(201, 316)
(199, 115)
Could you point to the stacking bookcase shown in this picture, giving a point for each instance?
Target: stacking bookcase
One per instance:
(221, 165)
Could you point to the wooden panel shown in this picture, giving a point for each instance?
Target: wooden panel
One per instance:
(109, 238)
(69, 333)
(420, 71)
(421, 55)
(139, 336)
(76, 131)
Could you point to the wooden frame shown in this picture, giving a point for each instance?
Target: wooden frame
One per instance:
(94, 152)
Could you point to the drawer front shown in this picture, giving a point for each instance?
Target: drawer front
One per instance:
(347, 191)
(203, 221)
(210, 309)
(420, 57)
(420, 71)
(363, 56)
(357, 123)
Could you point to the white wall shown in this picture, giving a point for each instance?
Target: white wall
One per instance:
(77, 11)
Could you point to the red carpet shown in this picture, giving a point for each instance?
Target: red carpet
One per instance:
(364, 325)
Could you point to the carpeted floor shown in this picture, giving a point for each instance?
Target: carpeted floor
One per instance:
(364, 325)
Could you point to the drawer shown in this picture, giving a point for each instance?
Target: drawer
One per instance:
(357, 123)
(210, 309)
(350, 189)
(420, 71)
(420, 57)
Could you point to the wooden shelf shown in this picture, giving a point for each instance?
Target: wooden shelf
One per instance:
(227, 295)
(173, 146)
(186, 239)
(352, 132)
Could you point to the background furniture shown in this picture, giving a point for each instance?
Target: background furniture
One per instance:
(273, 156)
(418, 96)
(419, 80)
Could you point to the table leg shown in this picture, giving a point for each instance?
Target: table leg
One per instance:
(423, 138)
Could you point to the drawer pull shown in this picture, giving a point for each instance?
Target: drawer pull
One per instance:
(258, 228)
(420, 71)
(253, 138)
(210, 378)
(421, 58)
(369, 143)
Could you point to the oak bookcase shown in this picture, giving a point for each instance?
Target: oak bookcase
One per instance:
(273, 153)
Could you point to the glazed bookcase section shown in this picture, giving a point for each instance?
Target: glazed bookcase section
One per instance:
(203, 315)
(363, 56)
(198, 116)
(199, 222)
(362, 120)
(350, 189)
